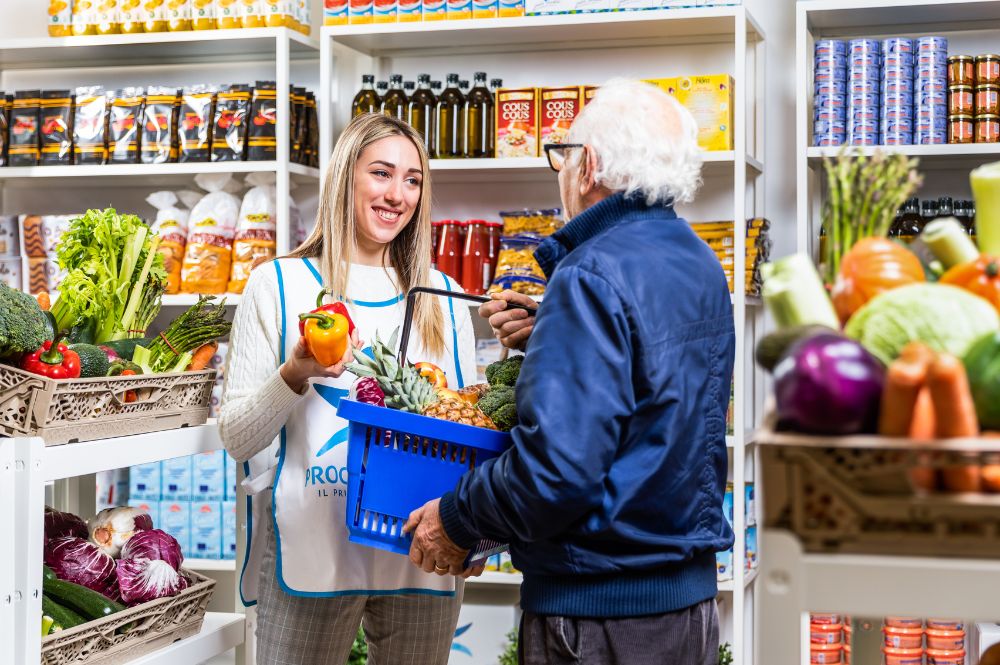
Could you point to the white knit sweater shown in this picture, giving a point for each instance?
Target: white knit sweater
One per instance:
(256, 401)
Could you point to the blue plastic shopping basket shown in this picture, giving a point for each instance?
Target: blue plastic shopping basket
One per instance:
(398, 461)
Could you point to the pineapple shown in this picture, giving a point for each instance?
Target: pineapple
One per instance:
(406, 390)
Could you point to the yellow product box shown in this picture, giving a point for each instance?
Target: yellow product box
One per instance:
(202, 15)
(511, 8)
(386, 11)
(251, 13)
(409, 11)
(667, 85)
(60, 18)
(459, 10)
(335, 12)
(485, 8)
(517, 122)
(710, 101)
(360, 12)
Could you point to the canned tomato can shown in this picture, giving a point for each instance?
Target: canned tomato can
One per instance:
(864, 46)
(930, 137)
(961, 70)
(987, 128)
(830, 47)
(830, 127)
(864, 73)
(932, 44)
(936, 124)
(897, 138)
(838, 87)
(830, 74)
(987, 100)
(897, 45)
(961, 129)
(828, 140)
(961, 100)
(868, 138)
(987, 69)
(835, 61)
(897, 85)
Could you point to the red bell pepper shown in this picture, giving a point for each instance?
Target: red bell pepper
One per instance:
(53, 360)
(332, 308)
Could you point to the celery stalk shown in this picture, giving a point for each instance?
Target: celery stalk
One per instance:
(138, 290)
(795, 295)
(948, 242)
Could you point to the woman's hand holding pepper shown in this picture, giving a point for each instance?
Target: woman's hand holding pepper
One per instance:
(302, 366)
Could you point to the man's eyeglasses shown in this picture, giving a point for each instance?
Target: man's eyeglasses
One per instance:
(556, 154)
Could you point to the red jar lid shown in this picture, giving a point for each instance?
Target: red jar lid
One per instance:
(494, 225)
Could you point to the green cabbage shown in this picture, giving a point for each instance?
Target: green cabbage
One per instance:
(944, 317)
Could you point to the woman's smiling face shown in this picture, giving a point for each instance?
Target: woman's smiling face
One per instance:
(388, 181)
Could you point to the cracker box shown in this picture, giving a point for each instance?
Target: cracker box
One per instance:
(175, 519)
(228, 529)
(435, 10)
(144, 482)
(209, 476)
(517, 122)
(176, 482)
(151, 508)
(335, 12)
(557, 111)
(206, 529)
(485, 8)
(710, 101)
(509, 8)
(385, 11)
(360, 11)
(409, 11)
(459, 10)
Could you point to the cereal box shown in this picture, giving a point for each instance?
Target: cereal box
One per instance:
(710, 101)
(588, 92)
(176, 479)
(409, 11)
(360, 11)
(209, 472)
(510, 8)
(144, 482)
(385, 11)
(517, 122)
(459, 10)
(485, 8)
(559, 107)
(335, 12)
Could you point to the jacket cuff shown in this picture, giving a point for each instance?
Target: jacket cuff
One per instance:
(453, 526)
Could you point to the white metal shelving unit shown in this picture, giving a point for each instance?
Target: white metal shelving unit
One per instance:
(794, 582)
(26, 465)
(574, 49)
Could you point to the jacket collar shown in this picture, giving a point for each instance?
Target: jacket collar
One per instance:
(591, 223)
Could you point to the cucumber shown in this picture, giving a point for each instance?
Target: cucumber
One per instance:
(89, 604)
(62, 616)
(47, 573)
(83, 332)
(125, 348)
(772, 347)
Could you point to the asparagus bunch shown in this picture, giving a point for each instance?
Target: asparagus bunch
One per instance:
(863, 196)
(171, 350)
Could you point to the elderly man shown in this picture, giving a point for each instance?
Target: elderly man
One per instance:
(611, 496)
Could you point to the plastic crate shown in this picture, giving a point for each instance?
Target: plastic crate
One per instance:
(67, 411)
(398, 461)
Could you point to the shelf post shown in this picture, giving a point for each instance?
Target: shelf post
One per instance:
(8, 551)
(283, 136)
(28, 534)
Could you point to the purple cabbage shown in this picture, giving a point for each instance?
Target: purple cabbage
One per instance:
(828, 384)
(149, 567)
(60, 525)
(154, 545)
(81, 562)
(367, 391)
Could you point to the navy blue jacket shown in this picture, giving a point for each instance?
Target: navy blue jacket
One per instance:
(611, 496)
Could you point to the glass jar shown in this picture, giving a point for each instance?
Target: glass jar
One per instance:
(987, 128)
(435, 237)
(987, 69)
(475, 270)
(961, 70)
(449, 249)
(961, 100)
(988, 100)
(961, 129)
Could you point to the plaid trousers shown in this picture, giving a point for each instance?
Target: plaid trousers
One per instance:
(405, 629)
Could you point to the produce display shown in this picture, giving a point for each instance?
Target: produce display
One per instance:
(891, 344)
(154, 125)
(92, 571)
(423, 389)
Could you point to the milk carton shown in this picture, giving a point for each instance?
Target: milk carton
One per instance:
(485, 8)
(151, 508)
(209, 476)
(335, 12)
(409, 11)
(144, 482)
(459, 10)
(228, 529)
(385, 11)
(176, 480)
(360, 11)
(175, 519)
(206, 529)
(231, 464)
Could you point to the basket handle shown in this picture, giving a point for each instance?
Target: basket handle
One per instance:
(411, 301)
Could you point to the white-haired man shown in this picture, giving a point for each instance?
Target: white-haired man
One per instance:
(611, 496)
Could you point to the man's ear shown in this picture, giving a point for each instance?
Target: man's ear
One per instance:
(588, 170)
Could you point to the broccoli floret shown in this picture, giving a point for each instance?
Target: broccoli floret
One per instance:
(22, 323)
(505, 417)
(495, 398)
(504, 372)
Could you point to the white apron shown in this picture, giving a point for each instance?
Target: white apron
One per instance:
(308, 503)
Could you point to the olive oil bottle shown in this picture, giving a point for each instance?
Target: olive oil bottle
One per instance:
(421, 113)
(367, 100)
(394, 102)
(479, 120)
(451, 121)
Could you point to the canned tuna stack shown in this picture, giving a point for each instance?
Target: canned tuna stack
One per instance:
(931, 90)
(863, 83)
(830, 88)
(896, 124)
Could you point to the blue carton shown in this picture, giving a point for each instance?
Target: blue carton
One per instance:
(728, 504)
(175, 519)
(176, 484)
(206, 529)
(724, 566)
(208, 476)
(151, 508)
(144, 482)
(228, 529)
(231, 465)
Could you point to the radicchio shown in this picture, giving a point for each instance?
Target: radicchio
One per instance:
(149, 567)
(59, 525)
(154, 545)
(113, 527)
(76, 560)
(367, 391)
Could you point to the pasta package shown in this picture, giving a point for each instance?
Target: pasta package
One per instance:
(171, 225)
(517, 268)
(229, 131)
(24, 114)
(211, 227)
(124, 121)
(56, 126)
(90, 126)
(159, 126)
(256, 229)
(539, 222)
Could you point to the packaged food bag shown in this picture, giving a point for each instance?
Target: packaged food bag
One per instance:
(5, 103)
(131, 16)
(171, 225)
(262, 143)
(124, 121)
(211, 227)
(203, 15)
(229, 130)
(24, 116)
(517, 268)
(90, 126)
(60, 18)
(195, 124)
(84, 18)
(252, 14)
(256, 229)
(159, 126)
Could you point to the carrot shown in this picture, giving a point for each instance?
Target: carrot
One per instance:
(44, 302)
(905, 378)
(202, 356)
(954, 411)
(922, 426)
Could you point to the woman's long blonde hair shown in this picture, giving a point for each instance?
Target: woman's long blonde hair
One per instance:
(334, 240)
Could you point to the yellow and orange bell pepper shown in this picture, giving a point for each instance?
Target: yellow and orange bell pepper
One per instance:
(327, 336)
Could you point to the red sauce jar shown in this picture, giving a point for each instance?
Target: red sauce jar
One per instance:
(449, 249)
(435, 238)
(961, 70)
(961, 129)
(961, 100)
(475, 257)
(987, 69)
(988, 100)
(987, 128)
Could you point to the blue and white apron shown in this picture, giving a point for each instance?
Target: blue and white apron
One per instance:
(308, 502)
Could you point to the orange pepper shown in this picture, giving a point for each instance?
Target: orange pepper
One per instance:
(326, 336)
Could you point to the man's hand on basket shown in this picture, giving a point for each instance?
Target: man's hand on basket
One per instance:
(511, 327)
(432, 551)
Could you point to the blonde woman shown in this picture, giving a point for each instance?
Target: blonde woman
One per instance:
(371, 244)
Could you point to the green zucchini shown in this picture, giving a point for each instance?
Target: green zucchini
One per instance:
(62, 616)
(47, 573)
(89, 604)
(83, 332)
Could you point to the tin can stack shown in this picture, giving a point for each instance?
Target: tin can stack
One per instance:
(830, 93)
(974, 98)
(829, 639)
(864, 86)
(896, 126)
(931, 90)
